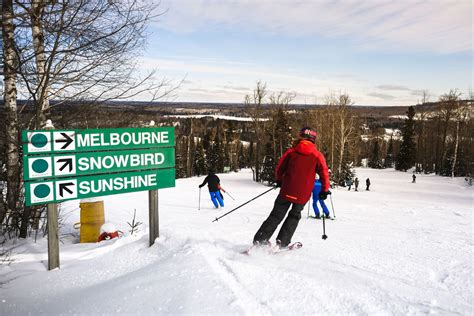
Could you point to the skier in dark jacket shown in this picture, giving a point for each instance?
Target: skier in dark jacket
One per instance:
(349, 183)
(295, 175)
(316, 199)
(214, 185)
(367, 184)
(356, 183)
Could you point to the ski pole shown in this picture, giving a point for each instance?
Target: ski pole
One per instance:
(332, 206)
(228, 194)
(307, 216)
(218, 218)
(199, 207)
(324, 228)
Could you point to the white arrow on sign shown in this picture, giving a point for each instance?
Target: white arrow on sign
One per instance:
(64, 165)
(65, 140)
(66, 189)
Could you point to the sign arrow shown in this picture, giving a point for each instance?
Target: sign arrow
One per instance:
(67, 162)
(67, 140)
(64, 187)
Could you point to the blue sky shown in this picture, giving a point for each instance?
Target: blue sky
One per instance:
(380, 52)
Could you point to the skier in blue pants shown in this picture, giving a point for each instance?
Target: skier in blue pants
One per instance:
(213, 183)
(316, 191)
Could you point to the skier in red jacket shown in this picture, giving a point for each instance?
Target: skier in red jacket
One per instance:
(295, 175)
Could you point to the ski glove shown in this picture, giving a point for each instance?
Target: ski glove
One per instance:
(324, 195)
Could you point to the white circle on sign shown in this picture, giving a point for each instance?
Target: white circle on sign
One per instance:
(39, 142)
(39, 167)
(41, 192)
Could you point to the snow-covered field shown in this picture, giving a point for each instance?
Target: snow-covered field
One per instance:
(398, 249)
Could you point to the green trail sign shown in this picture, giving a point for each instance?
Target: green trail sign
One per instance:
(57, 141)
(61, 165)
(58, 190)
(88, 163)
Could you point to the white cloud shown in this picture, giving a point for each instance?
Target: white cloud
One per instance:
(442, 26)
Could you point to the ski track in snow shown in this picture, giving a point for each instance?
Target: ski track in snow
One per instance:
(399, 249)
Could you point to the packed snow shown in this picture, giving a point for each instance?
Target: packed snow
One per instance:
(400, 248)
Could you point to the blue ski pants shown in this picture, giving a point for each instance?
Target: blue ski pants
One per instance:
(216, 197)
(323, 206)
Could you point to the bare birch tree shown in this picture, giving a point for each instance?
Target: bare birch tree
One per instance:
(83, 50)
(69, 50)
(12, 155)
(254, 108)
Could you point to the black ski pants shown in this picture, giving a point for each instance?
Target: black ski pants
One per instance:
(288, 228)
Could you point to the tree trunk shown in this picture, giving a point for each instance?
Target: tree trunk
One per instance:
(456, 145)
(42, 91)
(189, 162)
(11, 116)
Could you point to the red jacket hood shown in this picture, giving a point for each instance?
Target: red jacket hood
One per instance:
(305, 147)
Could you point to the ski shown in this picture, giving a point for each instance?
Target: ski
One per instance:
(274, 249)
(247, 251)
(328, 218)
(293, 246)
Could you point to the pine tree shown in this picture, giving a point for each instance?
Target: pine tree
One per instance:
(268, 169)
(374, 160)
(388, 163)
(242, 156)
(406, 156)
(200, 166)
(219, 149)
(347, 169)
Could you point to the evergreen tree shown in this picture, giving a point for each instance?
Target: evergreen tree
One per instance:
(181, 148)
(219, 149)
(406, 156)
(374, 160)
(242, 156)
(283, 138)
(226, 155)
(200, 165)
(388, 163)
(268, 169)
(212, 156)
(347, 169)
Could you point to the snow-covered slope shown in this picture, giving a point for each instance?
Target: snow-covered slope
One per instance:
(398, 249)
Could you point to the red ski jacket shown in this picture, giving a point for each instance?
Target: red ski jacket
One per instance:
(297, 170)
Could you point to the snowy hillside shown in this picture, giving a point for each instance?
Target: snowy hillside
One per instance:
(398, 249)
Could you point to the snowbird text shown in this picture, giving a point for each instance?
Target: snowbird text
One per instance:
(120, 161)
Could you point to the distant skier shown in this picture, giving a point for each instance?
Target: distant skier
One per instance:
(295, 175)
(213, 183)
(414, 179)
(349, 183)
(356, 184)
(316, 199)
(367, 184)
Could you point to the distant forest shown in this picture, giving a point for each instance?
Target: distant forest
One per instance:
(441, 133)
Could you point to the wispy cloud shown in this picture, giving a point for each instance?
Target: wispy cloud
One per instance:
(393, 87)
(382, 96)
(435, 26)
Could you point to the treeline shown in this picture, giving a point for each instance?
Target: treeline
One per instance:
(433, 139)
(440, 139)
